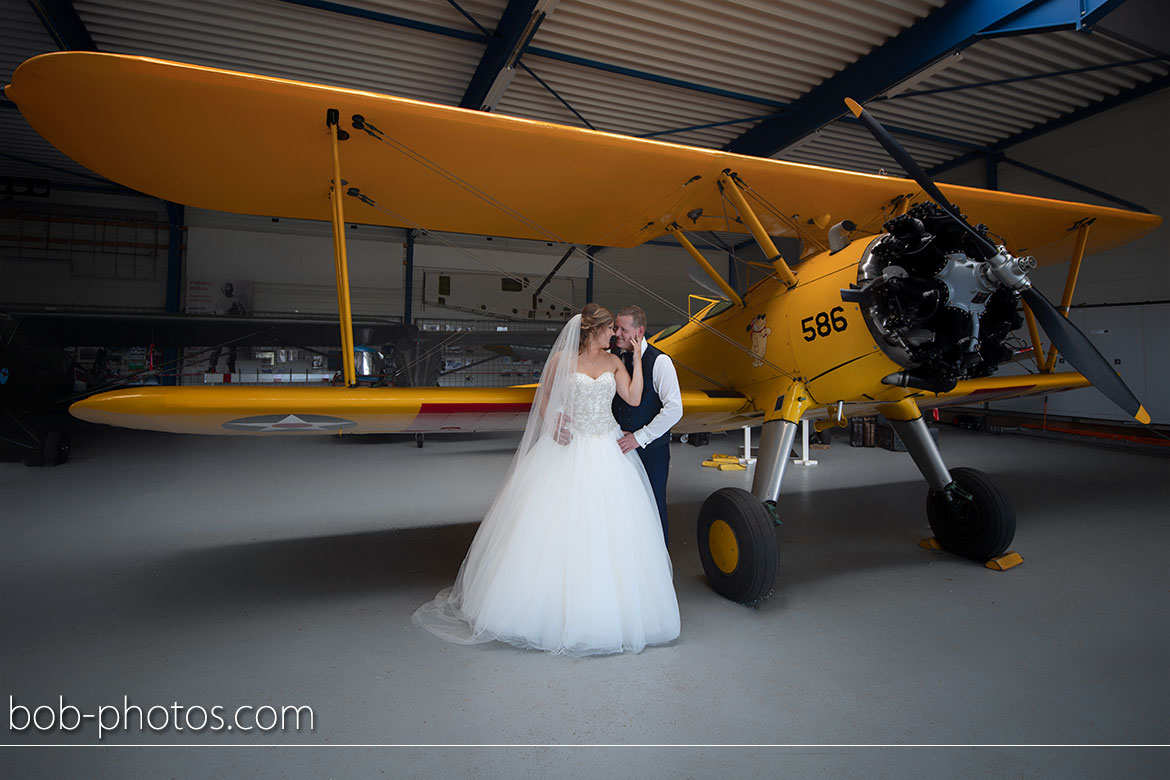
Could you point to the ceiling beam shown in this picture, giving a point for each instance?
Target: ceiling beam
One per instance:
(1052, 15)
(951, 28)
(63, 24)
(518, 23)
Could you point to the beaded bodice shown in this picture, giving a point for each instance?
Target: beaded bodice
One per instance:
(592, 403)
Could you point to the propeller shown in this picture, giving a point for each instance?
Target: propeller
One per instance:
(1012, 272)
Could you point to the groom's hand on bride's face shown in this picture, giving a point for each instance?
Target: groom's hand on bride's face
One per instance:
(627, 442)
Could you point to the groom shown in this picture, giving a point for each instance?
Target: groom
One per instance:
(646, 427)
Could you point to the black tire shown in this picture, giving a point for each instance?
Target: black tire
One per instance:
(977, 521)
(418, 440)
(746, 557)
(55, 448)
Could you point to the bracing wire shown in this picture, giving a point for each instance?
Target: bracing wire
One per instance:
(362, 124)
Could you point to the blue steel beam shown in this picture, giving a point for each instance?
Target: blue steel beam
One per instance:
(63, 24)
(527, 69)
(408, 282)
(953, 27)
(176, 217)
(516, 27)
(1052, 15)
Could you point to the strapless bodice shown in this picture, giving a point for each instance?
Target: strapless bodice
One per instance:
(593, 403)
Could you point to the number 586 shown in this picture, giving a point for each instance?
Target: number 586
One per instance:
(825, 322)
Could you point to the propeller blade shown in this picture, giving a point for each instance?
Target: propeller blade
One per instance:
(1074, 345)
(903, 158)
(1083, 356)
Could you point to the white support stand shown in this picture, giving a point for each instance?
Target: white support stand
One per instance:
(804, 461)
(747, 458)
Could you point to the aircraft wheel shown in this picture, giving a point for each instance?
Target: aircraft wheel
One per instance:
(418, 440)
(55, 448)
(972, 517)
(737, 546)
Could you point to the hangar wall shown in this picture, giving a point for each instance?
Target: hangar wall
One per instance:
(290, 262)
(1122, 299)
(661, 269)
(61, 272)
(1124, 152)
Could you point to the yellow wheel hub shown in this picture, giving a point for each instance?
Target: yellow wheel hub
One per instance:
(724, 549)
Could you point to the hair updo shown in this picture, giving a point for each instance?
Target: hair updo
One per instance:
(593, 318)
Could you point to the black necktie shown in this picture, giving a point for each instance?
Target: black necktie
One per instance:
(628, 359)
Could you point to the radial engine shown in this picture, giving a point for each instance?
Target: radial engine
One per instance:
(932, 305)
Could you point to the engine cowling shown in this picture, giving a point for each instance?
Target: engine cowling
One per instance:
(931, 303)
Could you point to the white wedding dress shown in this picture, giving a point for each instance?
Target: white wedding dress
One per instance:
(570, 557)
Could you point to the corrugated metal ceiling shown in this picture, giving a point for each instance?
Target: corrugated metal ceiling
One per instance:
(685, 71)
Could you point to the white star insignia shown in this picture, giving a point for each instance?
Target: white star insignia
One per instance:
(290, 423)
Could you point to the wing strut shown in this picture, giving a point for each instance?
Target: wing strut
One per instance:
(1045, 365)
(753, 223)
(341, 265)
(676, 231)
(1070, 284)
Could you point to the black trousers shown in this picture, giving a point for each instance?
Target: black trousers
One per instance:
(656, 460)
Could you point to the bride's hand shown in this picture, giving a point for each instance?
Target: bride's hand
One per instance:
(561, 432)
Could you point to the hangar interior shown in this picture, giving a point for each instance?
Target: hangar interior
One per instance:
(223, 570)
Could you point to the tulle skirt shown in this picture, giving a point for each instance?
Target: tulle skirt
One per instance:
(569, 558)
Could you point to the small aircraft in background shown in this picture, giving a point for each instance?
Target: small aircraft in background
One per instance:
(899, 304)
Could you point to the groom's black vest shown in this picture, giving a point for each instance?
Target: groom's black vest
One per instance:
(631, 418)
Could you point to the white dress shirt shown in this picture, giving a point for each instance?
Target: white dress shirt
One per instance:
(665, 381)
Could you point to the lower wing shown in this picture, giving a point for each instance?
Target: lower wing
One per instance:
(329, 410)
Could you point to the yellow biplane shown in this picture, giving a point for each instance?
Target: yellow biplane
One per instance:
(898, 304)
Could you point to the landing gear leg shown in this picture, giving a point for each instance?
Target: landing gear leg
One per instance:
(737, 536)
(968, 514)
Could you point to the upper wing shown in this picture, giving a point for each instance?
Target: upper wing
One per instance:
(258, 145)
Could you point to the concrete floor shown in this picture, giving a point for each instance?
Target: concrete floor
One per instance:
(283, 572)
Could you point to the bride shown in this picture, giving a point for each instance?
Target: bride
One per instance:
(570, 557)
